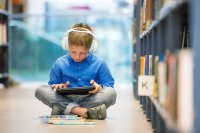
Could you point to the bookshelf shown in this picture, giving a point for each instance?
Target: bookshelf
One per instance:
(4, 18)
(164, 48)
(195, 26)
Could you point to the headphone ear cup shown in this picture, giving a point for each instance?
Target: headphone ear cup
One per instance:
(93, 47)
(65, 44)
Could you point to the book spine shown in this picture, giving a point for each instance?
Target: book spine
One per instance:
(150, 65)
(162, 85)
(185, 91)
(142, 65)
(171, 98)
(156, 58)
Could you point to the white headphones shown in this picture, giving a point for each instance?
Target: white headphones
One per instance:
(65, 43)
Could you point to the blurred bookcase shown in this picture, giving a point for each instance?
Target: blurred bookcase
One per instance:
(164, 47)
(4, 18)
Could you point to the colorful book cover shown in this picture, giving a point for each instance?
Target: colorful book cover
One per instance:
(66, 120)
(60, 117)
(72, 122)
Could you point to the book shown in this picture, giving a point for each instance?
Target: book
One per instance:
(146, 65)
(146, 15)
(72, 122)
(3, 4)
(150, 65)
(149, 11)
(142, 21)
(142, 65)
(66, 120)
(4, 37)
(156, 58)
(185, 110)
(162, 85)
(171, 96)
(1, 61)
(3, 33)
(60, 117)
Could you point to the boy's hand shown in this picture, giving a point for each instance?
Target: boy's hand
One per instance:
(60, 86)
(97, 87)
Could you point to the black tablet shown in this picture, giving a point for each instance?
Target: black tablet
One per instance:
(76, 90)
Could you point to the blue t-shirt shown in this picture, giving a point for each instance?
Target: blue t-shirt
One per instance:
(80, 73)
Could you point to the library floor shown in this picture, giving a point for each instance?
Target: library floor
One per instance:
(20, 111)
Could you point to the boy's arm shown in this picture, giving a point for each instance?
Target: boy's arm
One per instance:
(55, 75)
(105, 77)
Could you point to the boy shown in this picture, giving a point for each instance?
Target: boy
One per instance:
(79, 68)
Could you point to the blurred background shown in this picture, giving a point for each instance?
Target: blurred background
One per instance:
(36, 29)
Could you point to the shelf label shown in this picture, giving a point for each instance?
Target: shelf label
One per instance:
(146, 85)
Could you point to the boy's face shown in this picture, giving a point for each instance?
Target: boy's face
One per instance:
(78, 53)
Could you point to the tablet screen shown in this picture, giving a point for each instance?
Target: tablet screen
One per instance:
(76, 90)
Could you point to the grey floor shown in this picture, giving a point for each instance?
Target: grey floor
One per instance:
(20, 111)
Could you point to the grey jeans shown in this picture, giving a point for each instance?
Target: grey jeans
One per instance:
(49, 97)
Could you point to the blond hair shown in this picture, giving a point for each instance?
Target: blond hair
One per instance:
(81, 38)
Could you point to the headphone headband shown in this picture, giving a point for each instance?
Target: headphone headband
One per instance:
(65, 43)
(80, 29)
